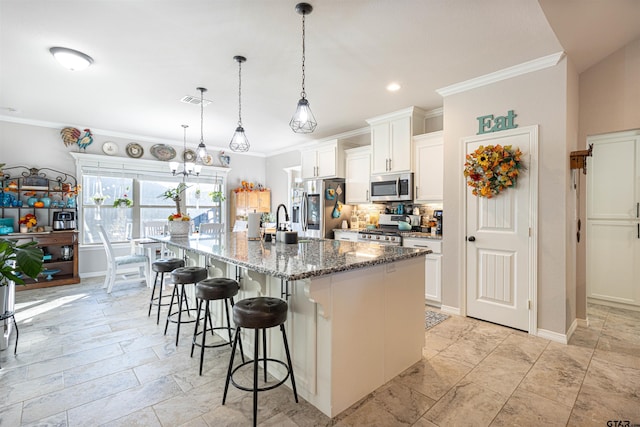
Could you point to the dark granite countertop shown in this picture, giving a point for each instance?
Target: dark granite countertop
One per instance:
(307, 258)
(402, 233)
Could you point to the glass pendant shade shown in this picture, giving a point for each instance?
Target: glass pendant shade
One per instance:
(303, 120)
(239, 141)
(201, 151)
(174, 167)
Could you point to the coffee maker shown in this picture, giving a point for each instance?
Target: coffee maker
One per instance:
(64, 220)
(437, 215)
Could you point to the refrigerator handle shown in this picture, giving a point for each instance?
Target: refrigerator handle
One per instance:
(303, 213)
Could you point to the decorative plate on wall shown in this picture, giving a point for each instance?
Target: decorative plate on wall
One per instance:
(110, 148)
(189, 156)
(163, 152)
(134, 150)
(208, 160)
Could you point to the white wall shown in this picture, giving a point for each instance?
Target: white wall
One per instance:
(537, 98)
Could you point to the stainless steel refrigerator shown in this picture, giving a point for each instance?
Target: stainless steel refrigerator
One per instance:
(319, 208)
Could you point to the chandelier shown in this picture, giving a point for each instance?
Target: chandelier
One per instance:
(188, 168)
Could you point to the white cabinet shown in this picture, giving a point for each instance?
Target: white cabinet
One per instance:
(613, 218)
(358, 170)
(324, 161)
(613, 267)
(349, 236)
(432, 265)
(428, 167)
(391, 139)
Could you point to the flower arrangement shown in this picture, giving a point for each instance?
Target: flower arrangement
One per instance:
(174, 194)
(491, 169)
(29, 220)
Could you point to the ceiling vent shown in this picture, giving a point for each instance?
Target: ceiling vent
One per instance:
(188, 99)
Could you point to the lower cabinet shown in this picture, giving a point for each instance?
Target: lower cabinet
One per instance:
(613, 247)
(432, 265)
(60, 258)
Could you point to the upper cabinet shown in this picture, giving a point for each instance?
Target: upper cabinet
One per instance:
(358, 170)
(428, 166)
(614, 176)
(391, 139)
(324, 161)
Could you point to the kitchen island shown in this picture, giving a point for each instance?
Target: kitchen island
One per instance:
(356, 310)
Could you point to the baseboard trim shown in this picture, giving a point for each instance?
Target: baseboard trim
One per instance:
(555, 336)
(583, 323)
(450, 310)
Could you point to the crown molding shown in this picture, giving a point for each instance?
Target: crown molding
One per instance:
(506, 73)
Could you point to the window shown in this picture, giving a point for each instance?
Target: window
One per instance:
(143, 182)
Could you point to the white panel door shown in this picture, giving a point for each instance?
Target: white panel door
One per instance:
(498, 242)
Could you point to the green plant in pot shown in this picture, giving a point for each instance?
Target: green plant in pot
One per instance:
(17, 260)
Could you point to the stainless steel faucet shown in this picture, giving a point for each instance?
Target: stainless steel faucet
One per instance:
(282, 227)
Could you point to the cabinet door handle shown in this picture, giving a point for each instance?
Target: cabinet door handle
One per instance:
(639, 230)
(367, 196)
(638, 210)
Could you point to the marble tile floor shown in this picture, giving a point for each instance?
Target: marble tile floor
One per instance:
(86, 358)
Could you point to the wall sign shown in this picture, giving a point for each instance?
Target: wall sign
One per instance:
(489, 123)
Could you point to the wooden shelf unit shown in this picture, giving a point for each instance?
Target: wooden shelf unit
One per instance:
(245, 202)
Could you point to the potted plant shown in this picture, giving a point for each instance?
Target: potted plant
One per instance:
(179, 224)
(16, 261)
(217, 196)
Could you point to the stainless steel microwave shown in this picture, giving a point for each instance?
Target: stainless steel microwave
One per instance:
(391, 188)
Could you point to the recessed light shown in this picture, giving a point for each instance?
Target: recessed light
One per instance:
(71, 59)
(393, 87)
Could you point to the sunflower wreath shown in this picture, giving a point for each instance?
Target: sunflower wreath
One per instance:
(491, 169)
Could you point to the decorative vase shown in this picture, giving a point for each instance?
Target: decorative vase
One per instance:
(179, 228)
(46, 202)
(7, 304)
(32, 201)
(24, 228)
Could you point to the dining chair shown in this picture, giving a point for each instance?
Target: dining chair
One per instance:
(155, 228)
(117, 263)
(210, 228)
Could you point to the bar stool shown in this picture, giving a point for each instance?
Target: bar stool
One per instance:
(182, 276)
(162, 266)
(219, 288)
(259, 313)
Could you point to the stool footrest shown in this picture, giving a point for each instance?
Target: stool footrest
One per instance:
(221, 344)
(261, 359)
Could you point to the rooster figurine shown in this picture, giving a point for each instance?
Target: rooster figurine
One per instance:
(72, 136)
(86, 140)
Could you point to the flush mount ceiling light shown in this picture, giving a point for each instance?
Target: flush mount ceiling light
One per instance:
(71, 59)
(187, 167)
(239, 141)
(303, 120)
(202, 149)
(393, 87)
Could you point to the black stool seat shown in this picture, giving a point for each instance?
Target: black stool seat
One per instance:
(184, 275)
(167, 265)
(218, 288)
(259, 313)
(161, 266)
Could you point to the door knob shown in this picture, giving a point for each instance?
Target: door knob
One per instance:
(471, 238)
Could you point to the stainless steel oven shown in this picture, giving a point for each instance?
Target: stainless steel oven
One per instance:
(391, 188)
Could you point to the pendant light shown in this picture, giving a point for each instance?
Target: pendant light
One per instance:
(187, 167)
(202, 149)
(303, 120)
(239, 141)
